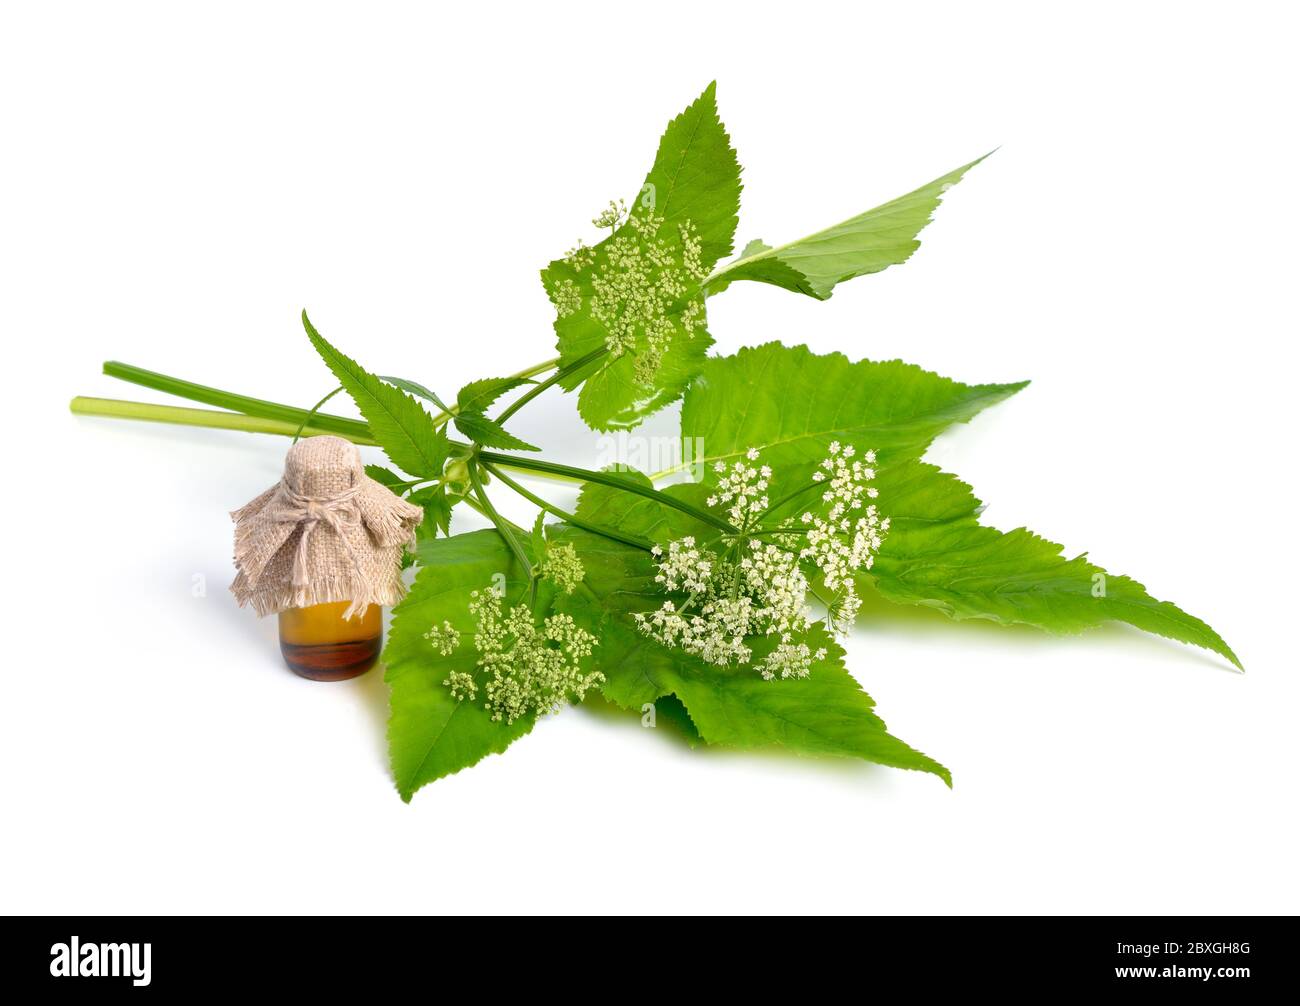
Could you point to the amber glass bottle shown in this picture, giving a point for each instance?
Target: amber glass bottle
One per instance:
(318, 643)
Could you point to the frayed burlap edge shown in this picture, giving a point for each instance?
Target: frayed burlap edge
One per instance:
(327, 591)
(359, 529)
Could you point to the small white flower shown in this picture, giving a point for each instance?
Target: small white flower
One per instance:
(735, 594)
(611, 216)
(527, 669)
(562, 566)
(644, 282)
(444, 638)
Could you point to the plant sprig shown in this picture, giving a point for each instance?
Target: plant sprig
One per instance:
(688, 591)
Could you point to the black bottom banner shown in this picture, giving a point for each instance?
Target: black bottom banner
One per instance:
(1216, 956)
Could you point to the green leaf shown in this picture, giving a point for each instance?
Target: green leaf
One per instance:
(670, 712)
(386, 477)
(696, 176)
(404, 430)
(619, 580)
(478, 395)
(473, 399)
(488, 432)
(538, 536)
(431, 734)
(609, 506)
(437, 511)
(693, 184)
(417, 389)
(618, 583)
(937, 554)
(867, 243)
(826, 713)
(791, 403)
(615, 398)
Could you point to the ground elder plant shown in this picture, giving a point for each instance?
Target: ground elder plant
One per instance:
(723, 599)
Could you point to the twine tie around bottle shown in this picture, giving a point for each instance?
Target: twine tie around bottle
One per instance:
(339, 512)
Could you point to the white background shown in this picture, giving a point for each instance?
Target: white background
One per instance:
(179, 181)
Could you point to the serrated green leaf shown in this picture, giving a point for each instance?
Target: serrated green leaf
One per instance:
(437, 511)
(404, 430)
(607, 506)
(791, 403)
(617, 583)
(613, 398)
(488, 432)
(826, 713)
(478, 395)
(431, 734)
(696, 176)
(937, 554)
(417, 389)
(386, 477)
(670, 711)
(538, 535)
(694, 183)
(864, 244)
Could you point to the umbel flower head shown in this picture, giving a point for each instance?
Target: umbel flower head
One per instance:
(644, 284)
(445, 638)
(525, 667)
(753, 583)
(560, 564)
(611, 216)
(530, 669)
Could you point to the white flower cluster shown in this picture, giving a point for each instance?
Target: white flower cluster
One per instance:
(561, 565)
(444, 638)
(580, 256)
(743, 488)
(844, 540)
(566, 297)
(530, 669)
(759, 591)
(749, 587)
(637, 289)
(611, 216)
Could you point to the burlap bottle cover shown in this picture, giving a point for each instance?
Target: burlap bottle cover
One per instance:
(325, 532)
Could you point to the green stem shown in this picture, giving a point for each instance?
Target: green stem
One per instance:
(502, 525)
(350, 429)
(538, 368)
(339, 425)
(788, 497)
(290, 417)
(315, 409)
(555, 378)
(610, 479)
(573, 519)
(148, 412)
